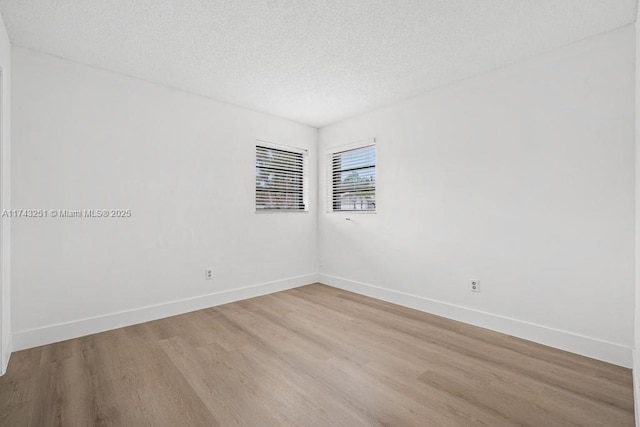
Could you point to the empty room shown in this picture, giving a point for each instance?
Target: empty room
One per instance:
(319, 213)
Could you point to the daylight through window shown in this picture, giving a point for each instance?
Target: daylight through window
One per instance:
(280, 179)
(354, 179)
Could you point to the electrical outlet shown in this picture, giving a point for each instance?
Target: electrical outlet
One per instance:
(208, 274)
(475, 285)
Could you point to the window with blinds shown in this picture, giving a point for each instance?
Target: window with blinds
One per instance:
(353, 174)
(280, 178)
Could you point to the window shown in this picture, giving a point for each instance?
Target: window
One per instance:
(280, 178)
(353, 175)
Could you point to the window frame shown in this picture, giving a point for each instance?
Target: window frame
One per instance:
(369, 142)
(305, 176)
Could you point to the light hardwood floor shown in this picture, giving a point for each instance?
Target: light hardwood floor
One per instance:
(312, 356)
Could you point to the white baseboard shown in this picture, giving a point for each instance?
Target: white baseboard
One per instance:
(597, 349)
(636, 384)
(81, 327)
(4, 358)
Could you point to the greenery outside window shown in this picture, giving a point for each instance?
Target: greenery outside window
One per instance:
(281, 178)
(353, 179)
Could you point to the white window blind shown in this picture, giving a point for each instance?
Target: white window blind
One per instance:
(354, 179)
(280, 178)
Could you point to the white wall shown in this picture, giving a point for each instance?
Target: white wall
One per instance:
(636, 353)
(5, 201)
(183, 164)
(522, 178)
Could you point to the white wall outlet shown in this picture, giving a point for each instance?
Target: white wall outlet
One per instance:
(208, 274)
(475, 285)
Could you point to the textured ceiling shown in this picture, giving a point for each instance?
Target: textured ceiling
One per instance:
(313, 61)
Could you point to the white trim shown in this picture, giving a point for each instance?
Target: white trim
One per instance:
(263, 143)
(636, 384)
(636, 323)
(617, 354)
(6, 356)
(5, 334)
(81, 327)
(279, 211)
(367, 142)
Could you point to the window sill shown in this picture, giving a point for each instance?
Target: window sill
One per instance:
(277, 211)
(356, 212)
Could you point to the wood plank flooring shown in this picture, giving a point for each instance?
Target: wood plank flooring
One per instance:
(312, 356)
